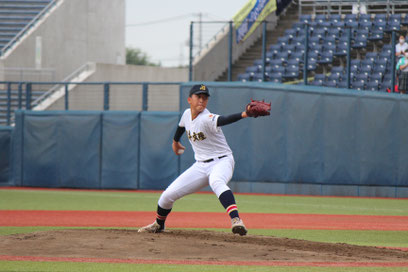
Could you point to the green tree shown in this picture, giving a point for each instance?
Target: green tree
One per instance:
(135, 56)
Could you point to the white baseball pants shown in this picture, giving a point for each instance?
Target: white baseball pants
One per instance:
(216, 174)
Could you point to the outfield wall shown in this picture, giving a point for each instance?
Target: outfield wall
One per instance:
(317, 141)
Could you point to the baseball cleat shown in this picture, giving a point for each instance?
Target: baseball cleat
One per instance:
(152, 228)
(238, 226)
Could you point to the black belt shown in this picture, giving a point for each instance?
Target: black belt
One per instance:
(210, 160)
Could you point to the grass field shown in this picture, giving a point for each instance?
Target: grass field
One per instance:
(146, 201)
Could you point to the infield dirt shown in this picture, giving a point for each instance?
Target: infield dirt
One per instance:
(191, 245)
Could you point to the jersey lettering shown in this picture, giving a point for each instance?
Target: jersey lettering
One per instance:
(196, 136)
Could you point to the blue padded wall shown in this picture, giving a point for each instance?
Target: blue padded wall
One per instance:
(5, 154)
(314, 135)
(158, 163)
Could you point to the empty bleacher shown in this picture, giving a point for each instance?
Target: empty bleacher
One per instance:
(371, 65)
(15, 16)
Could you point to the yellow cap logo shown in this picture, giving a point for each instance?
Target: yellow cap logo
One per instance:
(202, 88)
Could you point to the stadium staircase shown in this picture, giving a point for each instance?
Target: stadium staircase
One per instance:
(17, 17)
(371, 50)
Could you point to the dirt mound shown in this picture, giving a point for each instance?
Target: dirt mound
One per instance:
(186, 245)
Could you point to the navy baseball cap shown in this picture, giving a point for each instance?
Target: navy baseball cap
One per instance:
(199, 89)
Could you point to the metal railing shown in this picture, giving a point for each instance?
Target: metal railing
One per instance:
(25, 92)
(23, 31)
(346, 6)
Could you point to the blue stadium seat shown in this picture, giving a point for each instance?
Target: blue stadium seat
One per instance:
(291, 72)
(367, 70)
(361, 33)
(275, 63)
(394, 18)
(317, 48)
(376, 35)
(355, 64)
(361, 77)
(329, 40)
(359, 42)
(338, 70)
(380, 25)
(376, 78)
(363, 18)
(334, 77)
(342, 84)
(314, 41)
(367, 63)
(350, 18)
(275, 48)
(277, 78)
(331, 83)
(365, 25)
(298, 26)
(325, 58)
(313, 57)
(283, 41)
(318, 80)
(299, 40)
(338, 25)
(252, 70)
(258, 77)
(290, 48)
(291, 33)
(382, 17)
(278, 71)
(244, 77)
(282, 56)
(387, 48)
(293, 63)
(299, 56)
(358, 85)
(404, 21)
(334, 18)
(372, 85)
(305, 18)
(393, 26)
(320, 18)
(341, 50)
(329, 48)
(372, 56)
(319, 32)
(311, 65)
(334, 33)
(386, 84)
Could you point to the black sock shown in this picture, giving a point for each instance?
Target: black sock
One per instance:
(228, 201)
(161, 216)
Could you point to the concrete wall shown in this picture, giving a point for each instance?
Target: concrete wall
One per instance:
(212, 63)
(127, 97)
(77, 31)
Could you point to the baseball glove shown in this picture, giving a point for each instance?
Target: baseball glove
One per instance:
(258, 108)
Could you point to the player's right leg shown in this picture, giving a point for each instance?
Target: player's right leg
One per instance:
(191, 181)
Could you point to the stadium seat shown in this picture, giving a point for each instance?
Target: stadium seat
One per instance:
(298, 26)
(313, 41)
(275, 63)
(320, 18)
(317, 48)
(291, 72)
(334, 18)
(305, 18)
(372, 85)
(252, 70)
(338, 25)
(258, 77)
(367, 70)
(360, 42)
(355, 65)
(338, 70)
(244, 77)
(277, 78)
(290, 48)
(318, 80)
(382, 17)
(319, 32)
(404, 21)
(299, 56)
(365, 25)
(313, 57)
(329, 40)
(375, 77)
(342, 84)
(282, 56)
(372, 56)
(387, 48)
(326, 57)
(393, 26)
(358, 85)
(291, 33)
(380, 25)
(283, 41)
(341, 50)
(299, 40)
(394, 18)
(363, 18)
(333, 33)
(311, 65)
(376, 35)
(278, 71)
(275, 48)
(329, 48)
(361, 77)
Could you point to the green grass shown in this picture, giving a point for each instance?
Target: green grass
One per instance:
(107, 267)
(131, 201)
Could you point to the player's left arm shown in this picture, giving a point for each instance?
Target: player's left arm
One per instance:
(229, 119)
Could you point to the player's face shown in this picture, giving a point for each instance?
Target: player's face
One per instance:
(198, 102)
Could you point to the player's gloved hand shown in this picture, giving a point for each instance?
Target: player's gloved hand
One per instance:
(258, 108)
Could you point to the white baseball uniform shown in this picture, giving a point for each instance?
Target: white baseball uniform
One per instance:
(214, 164)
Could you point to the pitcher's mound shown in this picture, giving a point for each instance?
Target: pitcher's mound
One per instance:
(186, 245)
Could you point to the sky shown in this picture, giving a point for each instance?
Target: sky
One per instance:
(161, 28)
